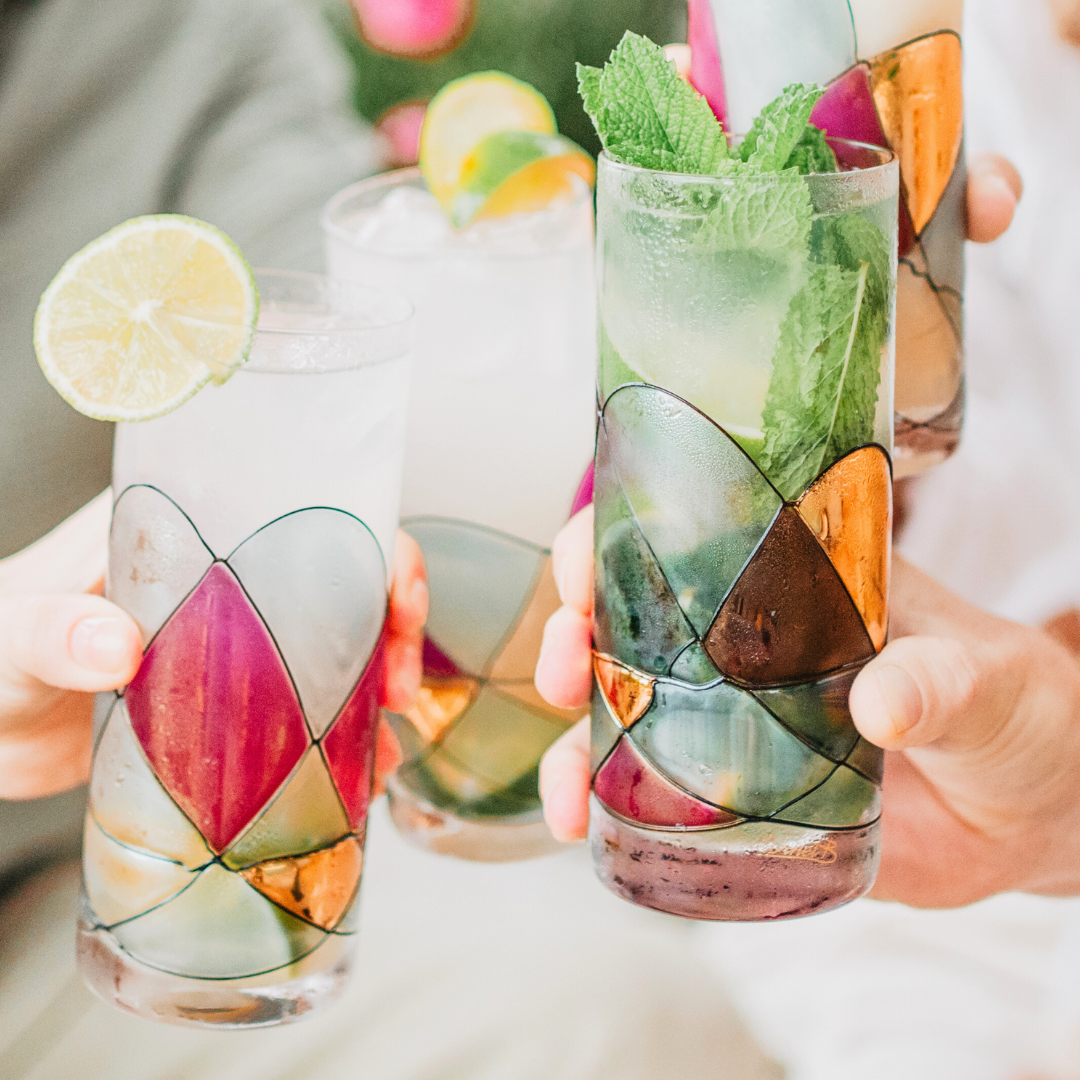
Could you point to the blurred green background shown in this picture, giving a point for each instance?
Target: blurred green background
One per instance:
(535, 40)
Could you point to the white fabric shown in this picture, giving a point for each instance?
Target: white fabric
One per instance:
(991, 992)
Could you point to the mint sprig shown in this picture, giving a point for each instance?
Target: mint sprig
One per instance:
(776, 132)
(646, 115)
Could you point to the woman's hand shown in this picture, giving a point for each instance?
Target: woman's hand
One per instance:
(60, 642)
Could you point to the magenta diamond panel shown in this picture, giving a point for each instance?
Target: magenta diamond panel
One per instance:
(215, 710)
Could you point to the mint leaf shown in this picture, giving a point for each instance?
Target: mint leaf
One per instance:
(646, 115)
(764, 213)
(823, 392)
(812, 153)
(776, 132)
(849, 241)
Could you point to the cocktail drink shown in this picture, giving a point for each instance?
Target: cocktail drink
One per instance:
(743, 502)
(893, 72)
(251, 539)
(501, 422)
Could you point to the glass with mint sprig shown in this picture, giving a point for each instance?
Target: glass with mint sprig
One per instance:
(743, 497)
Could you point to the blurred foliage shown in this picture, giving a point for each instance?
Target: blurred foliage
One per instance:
(535, 40)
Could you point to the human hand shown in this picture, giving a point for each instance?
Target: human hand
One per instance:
(60, 642)
(980, 796)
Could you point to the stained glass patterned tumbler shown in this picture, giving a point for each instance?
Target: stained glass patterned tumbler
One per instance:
(894, 76)
(743, 512)
(251, 535)
(501, 426)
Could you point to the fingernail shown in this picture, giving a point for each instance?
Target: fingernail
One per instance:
(902, 697)
(99, 644)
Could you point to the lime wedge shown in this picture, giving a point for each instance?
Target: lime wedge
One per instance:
(143, 316)
(518, 172)
(467, 110)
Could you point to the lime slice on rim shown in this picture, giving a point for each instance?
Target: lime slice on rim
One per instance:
(518, 172)
(467, 110)
(139, 319)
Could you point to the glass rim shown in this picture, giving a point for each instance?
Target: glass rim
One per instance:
(393, 178)
(890, 161)
(358, 321)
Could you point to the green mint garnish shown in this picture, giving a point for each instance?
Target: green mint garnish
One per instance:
(777, 131)
(822, 396)
(647, 116)
(823, 392)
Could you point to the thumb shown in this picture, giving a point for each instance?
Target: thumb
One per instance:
(73, 642)
(921, 690)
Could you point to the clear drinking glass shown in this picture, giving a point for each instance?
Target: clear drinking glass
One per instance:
(251, 541)
(894, 77)
(501, 427)
(742, 535)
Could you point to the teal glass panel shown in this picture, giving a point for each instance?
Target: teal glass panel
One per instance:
(722, 745)
(694, 666)
(845, 800)
(818, 712)
(701, 503)
(604, 730)
(869, 760)
(636, 616)
(480, 583)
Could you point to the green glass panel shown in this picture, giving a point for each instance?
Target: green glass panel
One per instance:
(818, 712)
(636, 617)
(721, 745)
(218, 928)
(846, 799)
(480, 583)
(869, 760)
(702, 504)
(304, 816)
(694, 666)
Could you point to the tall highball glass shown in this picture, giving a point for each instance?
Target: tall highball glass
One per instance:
(743, 513)
(251, 542)
(501, 425)
(893, 70)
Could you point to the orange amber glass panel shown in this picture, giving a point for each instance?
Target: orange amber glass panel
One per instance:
(929, 358)
(628, 692)
(317, 887)
(919, 93)
(849, 510)
(439, 703)
(789, 617)
(517, 660)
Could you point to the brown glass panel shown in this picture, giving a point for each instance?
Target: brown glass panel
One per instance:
(919, 93)
(929, 357)
(518, 657)
(629, 692)
(789, 616)
(849, 510)
(439, 703)
(317, 887)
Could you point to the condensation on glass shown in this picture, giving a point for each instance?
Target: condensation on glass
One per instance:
(729, 781)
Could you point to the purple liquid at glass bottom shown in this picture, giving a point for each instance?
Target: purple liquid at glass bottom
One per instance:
(753, 872)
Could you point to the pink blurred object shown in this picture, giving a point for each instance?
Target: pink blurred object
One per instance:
(400, 126)
(419, 29)
(706, 76)
(584, 494)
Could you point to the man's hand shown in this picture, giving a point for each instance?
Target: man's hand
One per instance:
(60, 642)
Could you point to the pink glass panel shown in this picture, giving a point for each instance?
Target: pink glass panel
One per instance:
(631, 787)
(584, 494)
(847, 109)
(215, 711)
(349, 746)
(706, 76)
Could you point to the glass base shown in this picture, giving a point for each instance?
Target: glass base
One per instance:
(259, 1001)
(753, 872)
(922, 445)
(428, 827)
